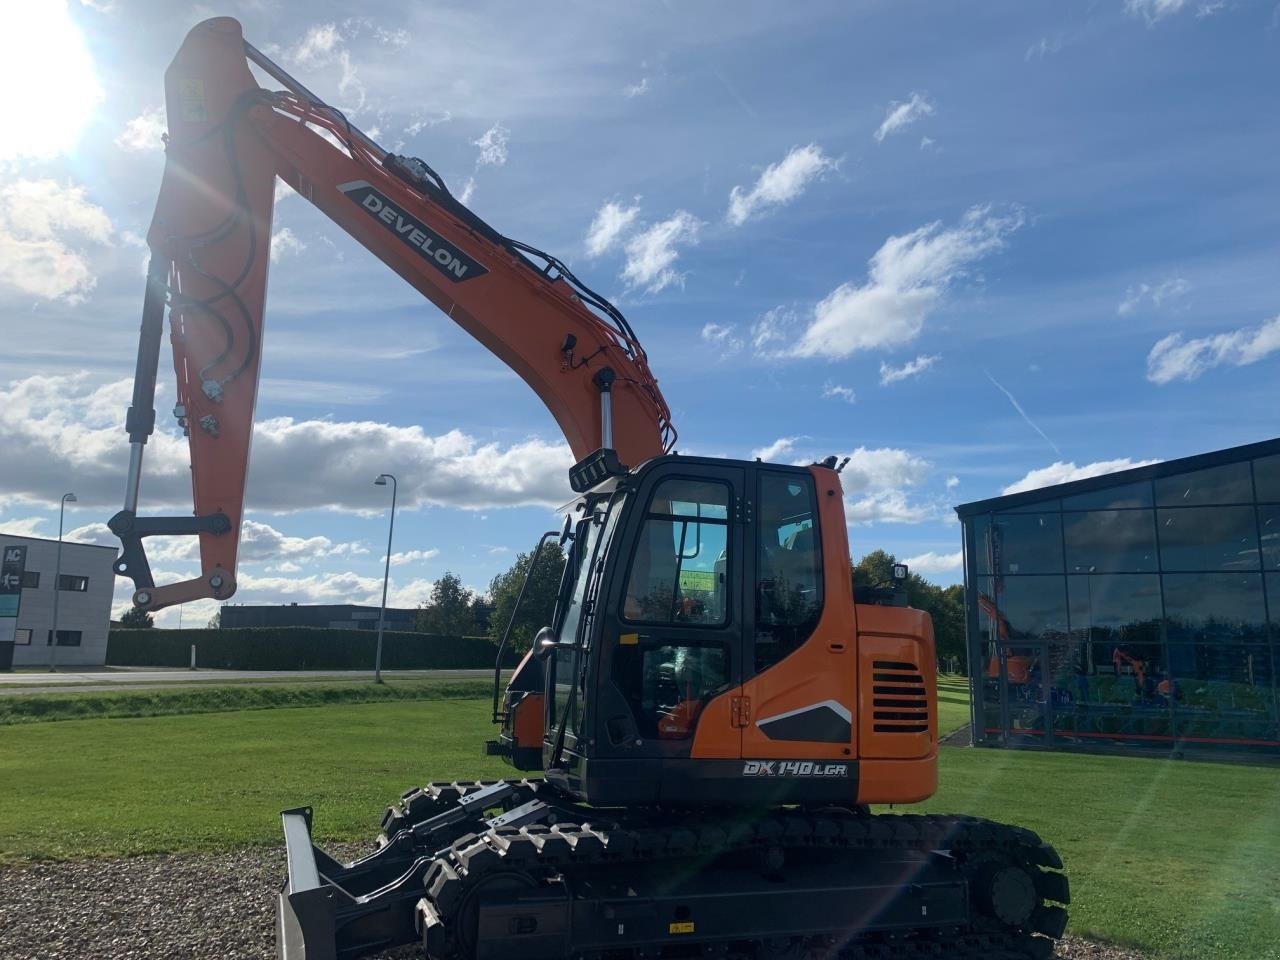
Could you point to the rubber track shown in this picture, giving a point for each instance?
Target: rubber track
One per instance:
(972, 841)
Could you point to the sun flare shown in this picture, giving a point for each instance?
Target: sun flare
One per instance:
(49, 75)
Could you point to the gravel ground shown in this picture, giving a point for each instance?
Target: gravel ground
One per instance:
(186, 906)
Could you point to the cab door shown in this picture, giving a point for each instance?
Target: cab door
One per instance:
(799, 690)
(673, 625)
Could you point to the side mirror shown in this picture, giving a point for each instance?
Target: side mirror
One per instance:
(566, 532)
(544, 644)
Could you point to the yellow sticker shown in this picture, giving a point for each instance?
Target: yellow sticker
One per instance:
(686, 927)
(191, 97)
(629, 639)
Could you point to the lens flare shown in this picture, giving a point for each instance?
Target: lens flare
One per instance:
(49, 76)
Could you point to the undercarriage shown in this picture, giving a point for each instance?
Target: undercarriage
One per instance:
(511, 869)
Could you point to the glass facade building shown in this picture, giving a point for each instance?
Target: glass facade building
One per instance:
(1137, 609)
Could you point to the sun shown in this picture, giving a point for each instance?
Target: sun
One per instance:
(49, 77)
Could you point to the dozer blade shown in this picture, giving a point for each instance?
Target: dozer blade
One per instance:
(305, 920)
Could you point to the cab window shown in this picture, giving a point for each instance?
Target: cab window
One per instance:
(788, 566)
(680, 571)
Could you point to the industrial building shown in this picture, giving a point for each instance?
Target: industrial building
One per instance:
(348, 616)
(1140, 609)
(85, 588)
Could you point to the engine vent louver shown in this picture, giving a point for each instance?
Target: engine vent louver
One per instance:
(900, 703)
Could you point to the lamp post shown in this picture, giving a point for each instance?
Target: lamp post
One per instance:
(381, 481)
(57, 576)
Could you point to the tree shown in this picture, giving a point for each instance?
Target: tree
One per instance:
(539, 600)
(448, 613)
(137, 618)
(215, 622)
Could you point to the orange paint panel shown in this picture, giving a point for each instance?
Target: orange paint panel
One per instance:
(528, 721)
(898, 781)
(897, 693)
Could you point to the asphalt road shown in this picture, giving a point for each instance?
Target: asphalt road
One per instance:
(96, 681)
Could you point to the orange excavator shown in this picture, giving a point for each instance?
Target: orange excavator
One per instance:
(712, 708)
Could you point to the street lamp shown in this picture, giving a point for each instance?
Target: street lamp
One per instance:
(381, 481)
(57, 576)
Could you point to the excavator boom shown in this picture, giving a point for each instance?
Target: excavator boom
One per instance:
(228, 141)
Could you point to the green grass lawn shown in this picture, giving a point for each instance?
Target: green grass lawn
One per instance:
(1181, 859)
(953, 704)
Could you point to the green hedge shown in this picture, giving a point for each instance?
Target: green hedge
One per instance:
(296, 648)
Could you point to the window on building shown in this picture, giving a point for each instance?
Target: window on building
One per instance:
(1266, 475)
(1208, 538)
(1229, 483)
(1214, 608)
(22, 636)
(1128, 496)
(1116, 610)
(679, 574)
(1032, 608)
(788, 566)
(1110, 541)
(30, 579)
(66, 638)
(73, 583)
(1026, 543)
(1269, 530)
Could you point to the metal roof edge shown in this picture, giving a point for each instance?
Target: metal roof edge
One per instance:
(1151, 471)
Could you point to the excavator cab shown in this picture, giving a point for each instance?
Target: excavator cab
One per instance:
(706, 639)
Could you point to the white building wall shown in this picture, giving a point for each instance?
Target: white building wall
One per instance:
(88, 612)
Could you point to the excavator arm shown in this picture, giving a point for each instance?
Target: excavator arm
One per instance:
(228, 141)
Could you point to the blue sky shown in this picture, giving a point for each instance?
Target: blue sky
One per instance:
(973, 247)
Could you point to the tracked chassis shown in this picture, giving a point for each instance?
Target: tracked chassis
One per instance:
(508, 869)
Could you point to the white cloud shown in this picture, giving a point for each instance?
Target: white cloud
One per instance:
(65, 426)
(1173, 358)
(422, 123)
(325, 45)
(493, 146)
(23, 526)
(1063, 472)
(410, 556)
(953, 482)
(468, 191)
(886, 506)
(142, 134)
(913, 368)
(902, 114)
(780, 183)
(259, 543)
(1043, 47)
(932, 562)
(611, 221)
(926, 142)
(39, 222)
(285, 243)
(780, 448)
(882, 468)
(834, 391)
(722, 336)
(1155, 10)
(637, 89)
(652, 253)
(907, 279)
(1156, 295)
